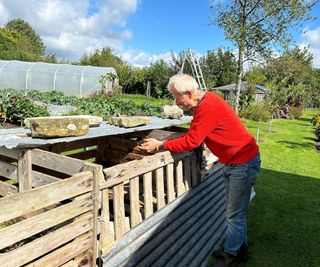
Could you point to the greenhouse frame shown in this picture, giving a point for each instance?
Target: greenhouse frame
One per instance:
(72, 80)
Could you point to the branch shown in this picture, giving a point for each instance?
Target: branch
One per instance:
(252, 9)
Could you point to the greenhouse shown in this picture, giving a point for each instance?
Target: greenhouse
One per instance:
(72, 80)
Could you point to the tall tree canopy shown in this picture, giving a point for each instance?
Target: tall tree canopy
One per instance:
(255, 25)
(25, 30)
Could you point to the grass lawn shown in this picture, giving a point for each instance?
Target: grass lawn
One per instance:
(284, 216)
(141, 99)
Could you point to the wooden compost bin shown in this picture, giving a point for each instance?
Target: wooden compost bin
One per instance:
(125, 209)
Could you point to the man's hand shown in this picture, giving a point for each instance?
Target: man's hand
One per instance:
(150, 145)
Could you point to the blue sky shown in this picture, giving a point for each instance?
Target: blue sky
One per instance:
(139, 31)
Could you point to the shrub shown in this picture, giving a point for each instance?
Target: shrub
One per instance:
(256, 111)
(295, 113)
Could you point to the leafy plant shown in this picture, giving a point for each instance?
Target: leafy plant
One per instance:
(256, 112)
(295, 113)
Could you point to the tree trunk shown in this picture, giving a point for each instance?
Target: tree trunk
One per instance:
(239, 78)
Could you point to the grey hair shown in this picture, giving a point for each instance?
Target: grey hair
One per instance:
(182, 83)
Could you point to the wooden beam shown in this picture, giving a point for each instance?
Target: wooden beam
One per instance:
(147, 195)
(135, 216)
(7, 189)
(24, 173)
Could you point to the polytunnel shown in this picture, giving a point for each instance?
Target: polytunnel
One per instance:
(72, 80)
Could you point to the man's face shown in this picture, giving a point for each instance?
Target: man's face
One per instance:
(185, 100)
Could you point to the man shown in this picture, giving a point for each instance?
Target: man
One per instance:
(217, 125)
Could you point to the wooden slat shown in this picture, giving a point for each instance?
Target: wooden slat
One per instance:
(11, 153)
(147, 195)
(118, 208)
(8, 170)
(32, 200)
(120, 173)
(162, 135)
(135, 216)
(121, 143)
(194, 171)
(40, 179)
(160, 188)
(36, 224)
(187, 173)
(65, 253)
(179, 178)
(89, 154)
(56, 162)
(106, 232)
(43, 245)
(24, 173)
(68, 146)
(7, 189)
(170, 183)
(96, 196)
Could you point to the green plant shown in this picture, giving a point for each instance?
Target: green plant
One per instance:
(295, 113)
(22, 107)
(256, 112)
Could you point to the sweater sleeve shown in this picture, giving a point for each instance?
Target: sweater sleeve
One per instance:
(204, 122)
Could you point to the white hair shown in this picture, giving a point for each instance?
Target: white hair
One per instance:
(183, 83)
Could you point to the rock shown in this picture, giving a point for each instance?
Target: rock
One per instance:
(171, 112)
(93, 120)
(127, 122)
(48, 127)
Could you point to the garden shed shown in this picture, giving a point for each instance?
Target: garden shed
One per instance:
(93, 200)
(72, 80)
(260, 90)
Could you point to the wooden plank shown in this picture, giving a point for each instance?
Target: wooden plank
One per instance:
(47, 243)
(36, 224)
(187, 173)
(32, 200)
(147, 194)
(135, 216)
(120, 173)
(65, 253)
(170, 183)
(56, 162)
(68, 146)
(10, 153)
(179, 178)
(101, 146)
(121, 143)
(106, 232)
(118, 209)
(162, 134)
(40, 179)
(7, 189)
(82, 260)
(160, 188)
(96, 195)
(89, 154)
(24, 173)
(8, 170)
(194, 171)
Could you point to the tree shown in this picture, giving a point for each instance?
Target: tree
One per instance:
(218, 67)
(254, 25)
(102, 58)
(24, 29)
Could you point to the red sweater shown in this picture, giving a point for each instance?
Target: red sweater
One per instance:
(218, 126)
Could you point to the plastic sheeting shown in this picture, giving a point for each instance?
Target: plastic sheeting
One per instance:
(72, 80)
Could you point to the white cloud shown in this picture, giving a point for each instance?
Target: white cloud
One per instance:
(140, 58)
(311, 40)
(74, 27)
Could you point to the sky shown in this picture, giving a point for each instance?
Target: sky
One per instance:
(139, 31)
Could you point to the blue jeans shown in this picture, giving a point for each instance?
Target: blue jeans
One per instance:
(239, 179)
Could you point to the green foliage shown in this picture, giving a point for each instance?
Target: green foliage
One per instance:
(218, 67)
(24, 29)
(101, 57)
(295, 113)
(256, 112)
(159, 74)
(254, 26)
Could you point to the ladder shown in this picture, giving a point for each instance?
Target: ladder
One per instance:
(195, 67)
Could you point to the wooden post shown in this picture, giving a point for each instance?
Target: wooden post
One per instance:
(135, 217)
(24, 174)
(160, 188)
(147, 192)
